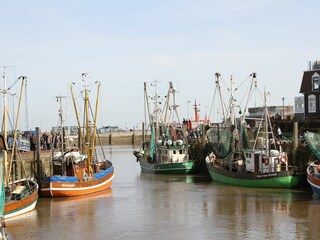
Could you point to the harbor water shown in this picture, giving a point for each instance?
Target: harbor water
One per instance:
(146, 206)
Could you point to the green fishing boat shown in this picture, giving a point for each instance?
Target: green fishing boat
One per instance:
(172, 160)
(233, 161)
(167, 150)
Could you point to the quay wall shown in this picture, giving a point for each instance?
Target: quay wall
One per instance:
(27, 165)
(120, 138)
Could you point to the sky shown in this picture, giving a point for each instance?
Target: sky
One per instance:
(125, 43)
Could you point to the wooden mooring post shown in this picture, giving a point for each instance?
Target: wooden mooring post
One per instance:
(295, 142)
(37, 155)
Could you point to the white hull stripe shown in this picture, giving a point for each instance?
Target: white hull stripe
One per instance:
(22, 211)
(77, 189)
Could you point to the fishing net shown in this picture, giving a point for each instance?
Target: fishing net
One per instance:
(244, 137)
(220, 139)
(313, 141)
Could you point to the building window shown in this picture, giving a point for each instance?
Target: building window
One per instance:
(315, 83)
(299, 104)
(312, 103)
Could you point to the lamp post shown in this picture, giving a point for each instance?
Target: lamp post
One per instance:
(188, 109)
(282, 107)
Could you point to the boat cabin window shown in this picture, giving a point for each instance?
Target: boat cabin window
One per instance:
(248, 155)
(164, 152)
(180, 152)
(174, 152)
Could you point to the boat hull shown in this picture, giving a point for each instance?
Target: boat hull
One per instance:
(314, 181)
(23, 205)
(167, 168)
(285, 179)
(64, 188)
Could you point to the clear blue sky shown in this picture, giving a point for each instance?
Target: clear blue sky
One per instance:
(125, 43)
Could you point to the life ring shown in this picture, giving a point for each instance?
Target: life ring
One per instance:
(284, 159)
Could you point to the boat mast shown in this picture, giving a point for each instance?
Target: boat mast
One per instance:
(174, 105)
(268, 126)
(80, 135)
(232, 104)
(90, 133)
(94, 131)
(168, 103)
(218, 86)
(156, 110)
(147, 102)
(266, 122)
(26, 103)
(61, 120)
(86, 111)
(253, 83)
(87, 137)
(16, 124)
(4, 126)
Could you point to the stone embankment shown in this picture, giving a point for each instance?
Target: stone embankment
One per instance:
(27, 164)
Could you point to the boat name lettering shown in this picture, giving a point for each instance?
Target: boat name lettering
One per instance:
(67, 185)
(266, 175)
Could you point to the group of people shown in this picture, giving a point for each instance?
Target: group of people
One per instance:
(48, 141)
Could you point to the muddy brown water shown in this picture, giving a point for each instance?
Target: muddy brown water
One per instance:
(146, 206)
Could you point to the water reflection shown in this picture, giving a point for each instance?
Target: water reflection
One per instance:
(141, 206)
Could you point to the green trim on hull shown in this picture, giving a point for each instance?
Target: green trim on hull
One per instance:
(276, 182)
(169, 168)
(21, 208)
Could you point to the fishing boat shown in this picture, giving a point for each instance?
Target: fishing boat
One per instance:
(3, 233)
(231, 159)
(313, 169)
(167, 150)
(78, 170)
(21, 195)
(313, 177)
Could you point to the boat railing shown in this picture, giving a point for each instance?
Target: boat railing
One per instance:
(275, 168)
(19, 192)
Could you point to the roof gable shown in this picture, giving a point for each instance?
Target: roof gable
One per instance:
(306, 84)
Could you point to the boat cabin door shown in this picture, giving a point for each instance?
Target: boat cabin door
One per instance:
(256, 162)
